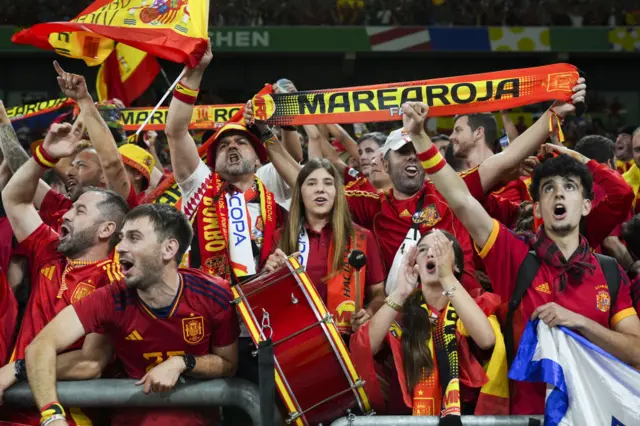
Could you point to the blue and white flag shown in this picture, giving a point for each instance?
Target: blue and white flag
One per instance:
(585, 385)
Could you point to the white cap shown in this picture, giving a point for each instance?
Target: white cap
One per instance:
(396, 140)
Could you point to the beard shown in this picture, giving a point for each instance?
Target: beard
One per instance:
(563, 230)
(149, 272)
(78, 242)
(407, 185)
(242, 167)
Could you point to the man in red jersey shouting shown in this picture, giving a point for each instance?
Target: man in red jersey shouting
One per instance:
(162, 321)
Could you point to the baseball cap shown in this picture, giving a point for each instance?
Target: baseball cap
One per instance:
(396, 140)
(261, 152)
(138, 158)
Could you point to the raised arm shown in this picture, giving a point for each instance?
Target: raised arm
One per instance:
(74, 86)
(18, 195)
(338, 132)
(470, 212)
(12, 151)
(183, 149)
(509, 127)
(40, 355)
(492, 169)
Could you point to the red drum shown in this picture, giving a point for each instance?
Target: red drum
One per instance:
(314, 373)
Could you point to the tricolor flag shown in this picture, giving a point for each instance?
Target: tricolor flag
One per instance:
(585, 385)
(175, 30)
(126, 74)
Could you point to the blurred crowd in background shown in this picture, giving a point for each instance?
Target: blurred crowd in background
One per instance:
(371, 12)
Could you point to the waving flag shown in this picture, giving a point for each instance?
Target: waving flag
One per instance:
(126, 74)
(175, 30)
(585, 385)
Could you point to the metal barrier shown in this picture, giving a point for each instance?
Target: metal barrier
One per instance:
(123, 393)
(435, 421)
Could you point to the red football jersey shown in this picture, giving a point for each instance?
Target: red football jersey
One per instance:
(8, 318)
(56, 283)
(200, 317)
(516, 190)
(389, 219)
(503, 254)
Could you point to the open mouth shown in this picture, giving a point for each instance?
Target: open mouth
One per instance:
(64, 232)
(125, 265)
(320, 200)
(71, 183)
(431, 266)
(411, 171)
(559, 212)
(234, 157)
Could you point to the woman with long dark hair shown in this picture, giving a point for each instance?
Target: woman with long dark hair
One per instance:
(430, 340)
(320, 233)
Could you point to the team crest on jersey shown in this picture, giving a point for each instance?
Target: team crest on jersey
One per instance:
(193, 329)
(429, 216)
(82, 290)
(603, 301)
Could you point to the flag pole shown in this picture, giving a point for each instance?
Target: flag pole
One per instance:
(161, 101)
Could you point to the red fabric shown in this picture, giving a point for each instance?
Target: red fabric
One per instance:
(135, 199)
(503, 255)
(472, 375)
(6, 240)
(502, 209)
(137, 83)
(47, 298)
(623, 167)
(54, 205)
(317, 265)
(8, 318)
(390, 219)
(635, 293)
(117, 309)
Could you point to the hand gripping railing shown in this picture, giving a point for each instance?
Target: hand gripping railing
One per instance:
(123, 393)
(435, 421)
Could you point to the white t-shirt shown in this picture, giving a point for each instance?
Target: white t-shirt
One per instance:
(275, 184)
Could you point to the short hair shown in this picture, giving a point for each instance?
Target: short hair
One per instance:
(379, 138)
(597, 148)
(167, 223)
(113, 208)
(488, 122)
(626, 130)
(631, 235)
(564, 166)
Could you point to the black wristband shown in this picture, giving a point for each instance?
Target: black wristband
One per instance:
(20, 370)
(289, 128)
(189, 362)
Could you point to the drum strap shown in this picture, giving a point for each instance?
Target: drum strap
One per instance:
(267, 382)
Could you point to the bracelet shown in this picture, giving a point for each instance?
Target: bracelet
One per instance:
(431, 160)
(185, 94)
(20, 370)
(189, 362)
(392, 304)
(449, 293)
(52, 419)
(43, 158)
(51, 410)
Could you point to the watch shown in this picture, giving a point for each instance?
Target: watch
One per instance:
(189, 362)
(20, 370)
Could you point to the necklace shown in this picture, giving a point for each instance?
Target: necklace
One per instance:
(71, 263)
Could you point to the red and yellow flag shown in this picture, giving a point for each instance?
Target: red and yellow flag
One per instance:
(175, 30)
(126, 74)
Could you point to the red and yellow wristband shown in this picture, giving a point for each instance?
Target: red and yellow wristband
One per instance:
(50, 411)
(185, 94)
(431, 160)
(43, 158)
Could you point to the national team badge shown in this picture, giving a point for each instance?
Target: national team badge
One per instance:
(193, 329)
(603, 301)
(429, 216)
(82, 290)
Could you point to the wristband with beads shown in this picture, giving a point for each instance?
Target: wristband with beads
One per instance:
(50, 410)
(185, 94)
(432, 161)
(52, 419)
(43, 158)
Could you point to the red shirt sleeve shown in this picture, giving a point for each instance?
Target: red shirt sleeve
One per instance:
(363, 205)
(502, 255)
(624, 305)
(375, 267)
(8, 318)
(634, 290)
(225, 321)
(612, 209)
(97, 309)
(472, 178)
(133, 200)
(54, 205)
(41, 245)
(501, 209)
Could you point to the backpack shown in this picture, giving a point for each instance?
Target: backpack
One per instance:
(527, 273)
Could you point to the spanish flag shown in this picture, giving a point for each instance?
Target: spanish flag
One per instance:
(126, 74)
(175, 30)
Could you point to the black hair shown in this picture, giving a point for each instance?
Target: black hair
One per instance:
(379, 138)
(631, 235)
(113, 208)
(488, 122)
(626, 130)
(564, 166)
(167, 223)
(597, 148)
